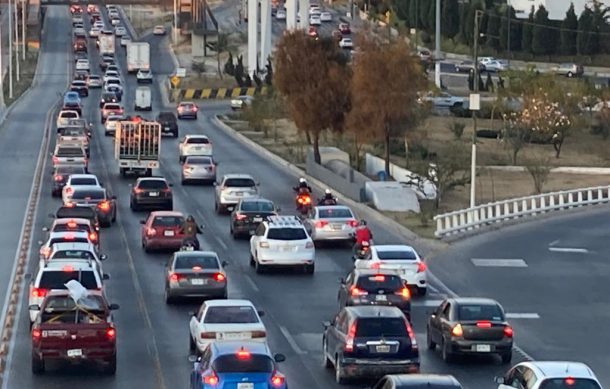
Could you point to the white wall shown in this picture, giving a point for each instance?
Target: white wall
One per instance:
(557, 8)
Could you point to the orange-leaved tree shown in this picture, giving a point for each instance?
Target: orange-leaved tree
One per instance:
(313, 77)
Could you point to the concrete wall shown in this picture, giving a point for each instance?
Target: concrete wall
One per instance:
(374, 165)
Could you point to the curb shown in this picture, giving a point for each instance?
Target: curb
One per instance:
(423, 245)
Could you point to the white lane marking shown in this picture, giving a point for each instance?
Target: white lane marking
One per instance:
(568, 250)
(200, 214)
(512, 315)
(291, 341)
(426, 303)
(553, 243)
(433, 289)
(498, 262)
(252, 283)
(221, 242)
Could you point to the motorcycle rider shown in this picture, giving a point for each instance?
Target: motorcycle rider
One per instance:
(303, 186)
(328, 198)
(361, 235)
(190, 229)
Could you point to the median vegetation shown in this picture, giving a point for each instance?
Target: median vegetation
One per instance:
(27, 71)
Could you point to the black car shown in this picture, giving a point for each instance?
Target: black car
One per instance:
(168, 122)
(248, 214)
(80, 86)
(108, 97)
(369, 342)
(375, 287)
(98, 199)
(80, 55)
(151, 192)
(418, 381)
(60, 175)
(465, 325)
(72, 211)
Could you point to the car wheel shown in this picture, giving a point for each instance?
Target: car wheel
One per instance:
(422, 291)
(325, 361)
(570, 74)
(506, 357)
(445, 353)
(309, 269)
(429, 342)
(168, 298)
(258, 267)
(339, 373)
(192, 345)
(110, 367)
(252, 261)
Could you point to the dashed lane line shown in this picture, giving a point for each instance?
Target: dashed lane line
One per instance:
(498, 262)
(576, 250)
(291, 341)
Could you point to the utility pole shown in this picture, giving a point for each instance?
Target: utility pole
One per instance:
(416, 21)
(23, 9)
(16, 41)
(437, 52)
(509, 14)
(10, 51)
(175, 30)
(473, 156)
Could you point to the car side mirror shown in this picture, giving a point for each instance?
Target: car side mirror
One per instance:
(225, 263)
(142, 221)
(34, 307)
(106, 277)
(113, 307)
(194, 358)
(215, 184)
(261, 313)
(326, 324)
(341, 280)
(45, 229)
(499, 380)
(40, 243)
(279, 358)
(103, 257)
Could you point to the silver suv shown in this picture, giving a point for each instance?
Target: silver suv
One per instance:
(231, 189)
(569, 70)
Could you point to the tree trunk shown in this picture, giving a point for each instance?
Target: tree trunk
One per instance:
(308, 137)
(387, 154)
(515, 152)
(218, 60)
(557, 145)
(316, 148)
(406, 152)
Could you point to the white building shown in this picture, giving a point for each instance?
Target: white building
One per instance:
(557, 8)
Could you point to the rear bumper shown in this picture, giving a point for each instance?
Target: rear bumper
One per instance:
(353, 367)
(248, 227)
(286, 259)
(197, 291)
(320, 234)
(470, 346)
(151, 201)
(98, 354)
(164, 244)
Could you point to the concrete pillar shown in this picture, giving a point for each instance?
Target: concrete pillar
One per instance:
(265, 32)
(291, 14)
(304, 10)
(252, 35)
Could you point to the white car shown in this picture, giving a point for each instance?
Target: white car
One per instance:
(280, 14)
(282, 241)
(120, 31)
(549, 374)
(110, 125)
(125, 40)
(94, 32)
(115, 21)
(314, 20)
(110, 74)
(326, 16)
(346, 43)
(194, 145)
(82, 64)
(112, 81)
(331, 222)
(495, 66)
(75, 251)
(94, 81)
(144, 76)
(159, 30)
(64, 116)
(62, 237)
(231, 189)
(444, 100)
(402, 259)
(225, 320)
(76, 180)
(241, 102)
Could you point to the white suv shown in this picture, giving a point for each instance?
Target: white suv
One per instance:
(231, 189)
(194, 145)
(76, 251)
(282, 241)
(75, 180)
(401, 258)
(549, 374)
(55, 274)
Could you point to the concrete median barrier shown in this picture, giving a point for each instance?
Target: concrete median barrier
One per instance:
(215, 93)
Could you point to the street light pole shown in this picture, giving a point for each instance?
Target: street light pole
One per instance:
(10, 51)
(175, 30)
(437, 52)
(23, 9)
(508, 11)
(473, 156)
(16, 41)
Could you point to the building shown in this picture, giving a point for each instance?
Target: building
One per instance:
(557, 8)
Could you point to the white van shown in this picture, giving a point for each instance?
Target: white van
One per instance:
(143, 99)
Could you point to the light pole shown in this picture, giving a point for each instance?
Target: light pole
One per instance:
(10, 51)
(16, 41)
(175, 31)
(475, 81)
(437, 52)
(508, 11)
(23, 8)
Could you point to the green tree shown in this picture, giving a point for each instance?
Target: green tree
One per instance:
(464, 9)
(450, 18)
(585, 40)
(222, 45)
(541, 33)
(493, 30)
(401, 8)
(424, 10)
(569, 28)
(413, 14)
(431, 17)
(469, 25)
(515, 31)
(527, 32)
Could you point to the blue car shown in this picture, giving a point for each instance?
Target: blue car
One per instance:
(72, 101)
(247, 365)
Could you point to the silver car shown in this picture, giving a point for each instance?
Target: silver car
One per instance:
(199, 168)
(233, 188)
(195, 274)
(332, 222)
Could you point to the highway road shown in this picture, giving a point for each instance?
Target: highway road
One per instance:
(152, 337)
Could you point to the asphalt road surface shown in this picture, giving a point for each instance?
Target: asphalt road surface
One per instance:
(152, 337)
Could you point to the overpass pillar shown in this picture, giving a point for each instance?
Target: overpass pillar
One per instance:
(252, 35)
(291, 14)
(304, 11)
(265, 32)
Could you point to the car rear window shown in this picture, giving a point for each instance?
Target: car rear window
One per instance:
(167, 116)
(108, 96)
(113, 81)
(58, 279)
(77, 212)
(252, 363)
(168, 221)
(69, 152)
(67, 240)
(152, 184)
(376, 327)
(330, 213)
(64, 227)
(479, 312)
(69, 114)
(287, 234)
(375, 282)
(191, 261)
(73, 131)
(76, 254)
(569, 383)
(198, 141)
(199, 160)
(236, 314)
(257, 206)
(112, 106)
(80, 194)
(239, 182)
(83, 181)
(400, 255)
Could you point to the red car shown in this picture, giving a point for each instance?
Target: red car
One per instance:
(312, 32)
(344, 28)
(187, 109)
(163, 230)
(111, 109)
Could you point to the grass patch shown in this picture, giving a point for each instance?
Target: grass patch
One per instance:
(145, 18)
(413, 222)
(27, 70)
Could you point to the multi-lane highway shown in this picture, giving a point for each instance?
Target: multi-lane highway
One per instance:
(152, 337)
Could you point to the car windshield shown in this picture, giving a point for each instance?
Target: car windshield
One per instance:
(469, 312)
(287, 234)
(112, 106)
(330, 213)
(73, 254)
(69, 152)
(236, 314)
(80, 194)
(376, 282)
(57, 279)
(257, 206)
(399, 255)
(191, 261)
(569, 383)
(69, 114)
(168, 221)
(239, 182)
(378, 327)
(83, 181)
(152, 184)
(199, 160)
(249, 363)
(198, 140)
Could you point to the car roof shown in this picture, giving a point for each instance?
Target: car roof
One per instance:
(392, 247)
(166, 213)
(89, 188)
(66, 220)
(76, 264)
(235, 175)
(195, 253)
(364, 311)
(556, 369)
(196, 136)
(229, 303)
(73, 246)
(186, 102)
(255, 200)
(423, 380)
(151, 179)
(474, 300)
(323, 207)
(80, 175)
(225, 348)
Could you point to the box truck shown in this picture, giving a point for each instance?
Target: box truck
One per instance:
(138, 56)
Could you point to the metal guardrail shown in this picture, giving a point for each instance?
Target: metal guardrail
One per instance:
(502, 211)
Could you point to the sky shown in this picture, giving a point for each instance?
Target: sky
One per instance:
(557, 8)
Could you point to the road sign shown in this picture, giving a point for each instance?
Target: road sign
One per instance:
(175, 80)
(180, 72)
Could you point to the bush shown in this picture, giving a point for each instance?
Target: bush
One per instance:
(457, 129)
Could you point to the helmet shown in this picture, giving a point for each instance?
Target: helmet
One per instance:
(190, 218)
(327, 191)
(363, 222)
(302, 180)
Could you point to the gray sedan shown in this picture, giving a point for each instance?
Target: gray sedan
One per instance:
(333, 222)
(195, 274)
(199, 168)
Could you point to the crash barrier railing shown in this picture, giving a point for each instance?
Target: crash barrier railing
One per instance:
(469, 219)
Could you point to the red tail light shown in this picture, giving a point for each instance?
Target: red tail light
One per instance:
(55, 160)
(240, 216)
(93, 237)
(72, 225)
(58, 178)
(421, 267)
(166, 190)
(207, 335)
(352, 223)
(321, 223)
(354, 291)
(219, 277)
(151, 232)
(508, 331)
(36, 334)
(570, 381)
(304, 199)
(411, 335)
(484, 324)
(67, 269)
(39, 292)
(457, 330)
(259, 334)
(210, 379)
(137, 190)
(110, 333)
(243, 354)
(104, 206)
(404, 293)
(174, 277)
(349, 341)
(277, 380)
(378, 278)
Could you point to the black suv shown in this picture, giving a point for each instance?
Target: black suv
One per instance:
(152, 192)
(168, 122)
(72, 212)
(248, 214)
(375, 287)
(108, 97)
(369, 342)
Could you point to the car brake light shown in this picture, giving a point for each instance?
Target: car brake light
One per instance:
(219, 277)
(570, 381)
(508, 331)
(352, 223)
(137, 190)
(404, 292)
(93, 237)
(484, 324)
(264, 245)
(104, 206)
(277, 380)
(309, 245)
(36, 334)
(321, 223)
(196, 268)
(421, 267)
(174, 277)
(55, 160)
(240, 216)
(210, 378)
(39, 292)
(69, 237)
(411, 334)
(207, 335)
(457, 330)
(243, 354)
(67, 269)
(151, 232)
(258, 334)
(58, 178)
(349, 340)
(110, 333)
(378, 278)
(354, 291)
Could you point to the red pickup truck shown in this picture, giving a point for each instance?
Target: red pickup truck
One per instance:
(67, 332)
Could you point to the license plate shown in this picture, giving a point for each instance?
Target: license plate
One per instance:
(166, 128)
(197, 148)
(381, 297)
(382, 349)
(336, 226)
(233, 335)
(482, 348)
(245, 385)
(285, 248)
(198, 281)
(168, 233)
(257, 219)
(77, 352)
(239, 193)
(153, 194)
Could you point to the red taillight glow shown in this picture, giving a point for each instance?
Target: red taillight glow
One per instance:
(137, 190)
(93, 237)
(352, 223)
(421, 267)
(508, 331)
(196, 268)
(258, 334)
(104, 206)
(404, 293)
(110, 333)
(174, 277)
(349, 341)
(36, 334)
(570, 381)
(378, 278)
(210, 379)
(411, 335)
(219, 277)
(304, 199)
(39, 292)
(151, 232)
(243, 354)
(457, 330)
(484, 324)
(240, 216)
(55, 160)
(321, 223)
(354, 291)
(277, 380)
(58, 178)
(207, 335)
(72, 225)
(67, 269)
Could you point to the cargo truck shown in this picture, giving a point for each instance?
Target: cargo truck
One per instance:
(138, 56)
(137, 146)
(106, 43)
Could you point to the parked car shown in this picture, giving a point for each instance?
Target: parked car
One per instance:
(569, 70)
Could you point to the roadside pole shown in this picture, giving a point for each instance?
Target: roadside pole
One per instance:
(474, 107)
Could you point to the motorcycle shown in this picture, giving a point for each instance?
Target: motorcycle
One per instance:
(190, 244)
(324, 201)
(303, 201)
